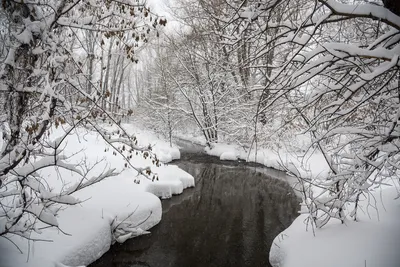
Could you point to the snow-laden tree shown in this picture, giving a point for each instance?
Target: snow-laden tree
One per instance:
(44, 84)
(209, 80)
(160, 95)
(338, 73)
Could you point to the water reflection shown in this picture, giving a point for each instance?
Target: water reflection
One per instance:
(229, 219)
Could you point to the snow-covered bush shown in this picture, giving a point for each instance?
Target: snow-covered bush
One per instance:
(44, 85)
(335, 69)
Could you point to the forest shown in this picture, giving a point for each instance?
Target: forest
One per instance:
(302, 79)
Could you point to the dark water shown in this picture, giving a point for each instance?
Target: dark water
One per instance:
(229, 219)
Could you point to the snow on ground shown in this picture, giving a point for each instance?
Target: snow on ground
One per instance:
(108, 208)
(172, 182)
(89, 236)
(314, 164)
(190, 134)
(162, 148)
(373, 241)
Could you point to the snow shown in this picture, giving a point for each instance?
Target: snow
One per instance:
(10, 59)
(25, 37)
(173, 181)
(94, 238)
(113, 210)
(365, 10)
(374, 240)
(162, 148)
(228, 156)
(311, 165)
(126, 205)
(219, 149)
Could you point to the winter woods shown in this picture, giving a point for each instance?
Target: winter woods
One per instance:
(341, 79)
(51, 54)
(259, 73)
(255, 73)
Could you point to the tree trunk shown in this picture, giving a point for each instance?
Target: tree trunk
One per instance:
(105, 81)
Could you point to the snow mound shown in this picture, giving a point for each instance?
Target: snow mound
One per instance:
(228, 156)
(373, 241)
(113, 210)
(165, 189)
(91, 227)
(130, 207)
(165, 152)
(172, 181)
(219, 149)
(94, 239)
(163, 156)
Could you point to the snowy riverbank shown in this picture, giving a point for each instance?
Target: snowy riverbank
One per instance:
(118, 208)
(372, 241)
(113, 210)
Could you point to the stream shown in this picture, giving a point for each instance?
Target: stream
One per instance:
(229, 219)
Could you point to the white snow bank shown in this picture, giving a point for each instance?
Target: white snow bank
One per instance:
(115, 209)
(217, 149)
(123, 204)
(193, 137)
(314, 165)
(162, 148)
(89, 236)
(372, 241)
(228, 156)
(172, 181)
(165, 152)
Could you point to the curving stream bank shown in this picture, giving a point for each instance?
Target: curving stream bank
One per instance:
(229, 219)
